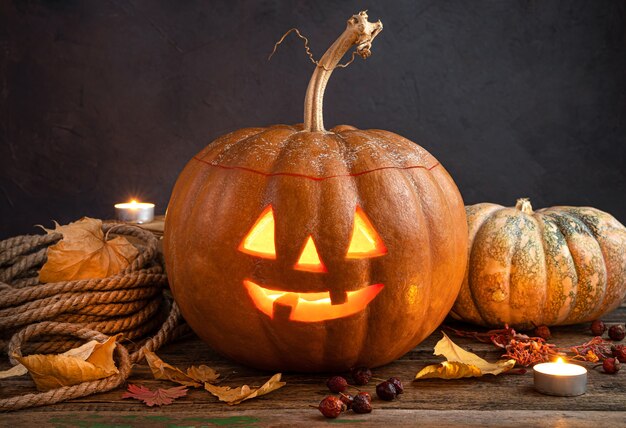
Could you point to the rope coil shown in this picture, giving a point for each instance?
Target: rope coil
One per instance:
(133, 303)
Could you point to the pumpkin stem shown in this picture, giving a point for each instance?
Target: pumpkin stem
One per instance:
(359, 32)
(523, 204)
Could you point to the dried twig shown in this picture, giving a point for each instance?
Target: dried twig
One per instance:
(308, 50)
(525, 350)
(597, 349)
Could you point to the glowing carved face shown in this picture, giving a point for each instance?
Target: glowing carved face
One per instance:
(317, 306)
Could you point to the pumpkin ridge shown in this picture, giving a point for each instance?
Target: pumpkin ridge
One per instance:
(310, 177)
(512, 242)
(475, 298)
(448, 210)
(599, 299)
(224, 142)
(366, 154)
(611, 278)
(574, 312)
(456, 215)
(245, 150)
(592, 232)
(400, 141)
(419, 204)
(343, 143)
(277, 158)
(556, 301)
(532, 267)
(515, 249)
(345, 151)
(573, 213)
(576, 280)
(384, 140)
(465, 307)
(363, 334)
(363, 342)
(546, 280)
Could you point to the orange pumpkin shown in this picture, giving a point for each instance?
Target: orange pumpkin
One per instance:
(556, 266)
(298, 248)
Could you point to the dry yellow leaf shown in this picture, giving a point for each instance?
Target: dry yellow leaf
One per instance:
(162, 370)
(232, 396)
(448, 370)
(196, 376)
(203, 374)
(461, 363)
(102, 355)
(83, 352)
(54, 371)
(83, 253)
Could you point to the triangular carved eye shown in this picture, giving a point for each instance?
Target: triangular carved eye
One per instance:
(365, 241)
(260, 239)
(309, 259)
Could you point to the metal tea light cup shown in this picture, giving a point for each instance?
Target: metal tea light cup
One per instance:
(560, 379)
(135, 212)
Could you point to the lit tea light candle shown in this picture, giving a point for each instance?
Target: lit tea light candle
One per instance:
(560, 378)
(135, 212)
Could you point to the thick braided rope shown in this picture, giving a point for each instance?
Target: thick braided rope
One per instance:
(131, 303)
(135, 279)
(168, 331)
(65, 393)
(111, 298)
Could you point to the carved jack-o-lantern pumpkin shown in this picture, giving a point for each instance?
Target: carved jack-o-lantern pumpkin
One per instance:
(297, 248)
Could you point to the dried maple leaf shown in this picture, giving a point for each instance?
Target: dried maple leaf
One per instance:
(83, 253)
(83, 352)
(54, 371)
(196, 376)
(461, 363)
(159, 397)
(232, 396)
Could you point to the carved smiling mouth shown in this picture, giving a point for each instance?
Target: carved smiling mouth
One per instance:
(311, 307)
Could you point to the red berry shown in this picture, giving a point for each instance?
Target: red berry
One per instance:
(611, 365)
(361, 403)
(364, 394)
(361, 375)
(619, 352)
(598, 328)
(386, 391)
(346, 399)
(397, 383)
(617, 332)
(337, 384)
(542, 331)
(331, 407)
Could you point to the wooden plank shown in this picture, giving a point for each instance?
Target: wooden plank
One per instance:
(311, 418)
(504, 400)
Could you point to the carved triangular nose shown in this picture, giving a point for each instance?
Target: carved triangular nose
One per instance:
(309, 259)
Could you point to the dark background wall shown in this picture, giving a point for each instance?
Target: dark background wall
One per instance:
(104, 100)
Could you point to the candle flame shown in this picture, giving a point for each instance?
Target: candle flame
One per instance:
(560, 360)
(134, 202)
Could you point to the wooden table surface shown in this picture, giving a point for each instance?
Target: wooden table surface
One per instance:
(505, 400)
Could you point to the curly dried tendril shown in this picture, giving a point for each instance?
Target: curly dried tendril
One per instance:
(308, 50)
